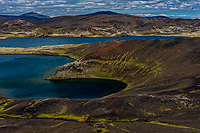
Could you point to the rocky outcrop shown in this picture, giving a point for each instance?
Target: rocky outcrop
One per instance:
(70, 70)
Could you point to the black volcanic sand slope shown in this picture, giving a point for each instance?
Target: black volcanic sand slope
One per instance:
(163, 93)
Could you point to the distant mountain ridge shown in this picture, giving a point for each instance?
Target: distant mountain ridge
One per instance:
(161, 17)
(100, 13)
(30, 17)
(33, 14)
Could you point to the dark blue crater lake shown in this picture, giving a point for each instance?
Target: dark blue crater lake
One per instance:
(32, 42)
(22, 76)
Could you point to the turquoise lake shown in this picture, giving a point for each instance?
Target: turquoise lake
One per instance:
(23, 76)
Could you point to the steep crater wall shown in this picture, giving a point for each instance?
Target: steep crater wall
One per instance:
(150, 66)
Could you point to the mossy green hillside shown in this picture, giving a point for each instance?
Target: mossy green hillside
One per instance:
(4, 102)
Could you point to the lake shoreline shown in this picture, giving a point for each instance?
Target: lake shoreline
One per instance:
(3, 37)
(98, 36)
(101, 78)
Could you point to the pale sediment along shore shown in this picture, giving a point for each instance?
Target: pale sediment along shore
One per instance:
(3, 37)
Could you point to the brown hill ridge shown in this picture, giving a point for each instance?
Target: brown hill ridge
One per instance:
(162, 96)
(102, 24)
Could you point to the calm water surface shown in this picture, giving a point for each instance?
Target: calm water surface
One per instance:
(22, 76)
(32, 42)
